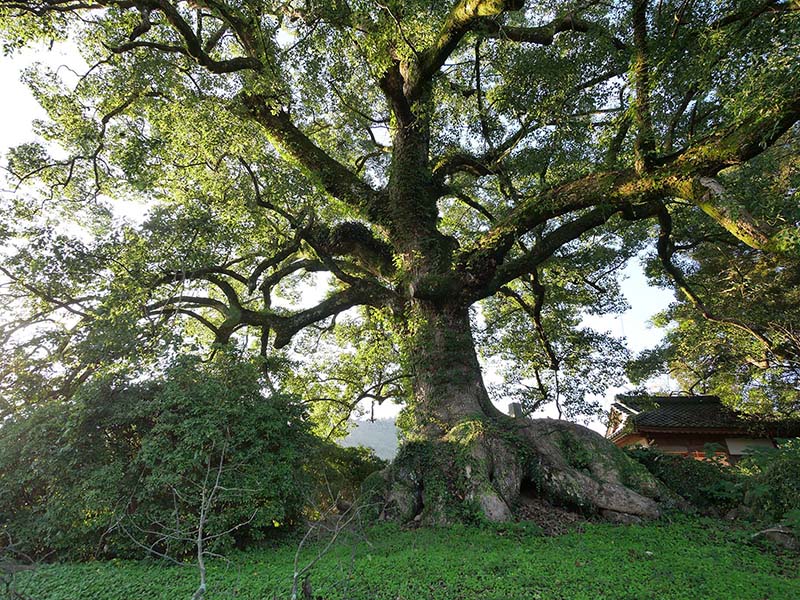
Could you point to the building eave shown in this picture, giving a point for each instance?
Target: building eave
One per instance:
(703, 430)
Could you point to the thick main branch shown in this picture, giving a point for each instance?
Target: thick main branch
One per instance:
(679, 176)
(335, 178)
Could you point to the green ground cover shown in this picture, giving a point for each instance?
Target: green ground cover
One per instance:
(688, 558)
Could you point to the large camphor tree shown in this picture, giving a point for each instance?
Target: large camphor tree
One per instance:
(431, 157)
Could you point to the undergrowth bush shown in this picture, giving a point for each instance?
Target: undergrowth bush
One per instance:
(124, 459)
(773, 488)
(706, 484)
(337, 474)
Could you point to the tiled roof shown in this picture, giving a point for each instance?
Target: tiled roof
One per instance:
(680, 412)
(635, 414)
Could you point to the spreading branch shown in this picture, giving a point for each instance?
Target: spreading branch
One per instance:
(666, 250)
(463, 17)
(678, 176)
(712, 197)
(481, 287)
(333, 177)
(544, 35)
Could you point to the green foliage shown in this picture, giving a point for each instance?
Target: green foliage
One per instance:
(129, 457)
(338, 473)
(707, 484)
(474, 162)
(357, 362)
(739, 286)
(562, 361)
(682, 560)
(575, 453)
(161, 118)
(441, 470)
(773, 488)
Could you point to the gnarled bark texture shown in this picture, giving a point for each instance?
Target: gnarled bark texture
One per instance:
(392, 252)
(448, 386)
(482, 470)
(468, 461)
(485, 470)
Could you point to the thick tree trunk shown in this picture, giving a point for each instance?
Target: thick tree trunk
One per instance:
(467, 460)
(448, 384)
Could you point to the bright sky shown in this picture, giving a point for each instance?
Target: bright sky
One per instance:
(634, 325)
(18, 109)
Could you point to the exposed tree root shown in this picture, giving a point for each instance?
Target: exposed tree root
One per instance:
(481, 470)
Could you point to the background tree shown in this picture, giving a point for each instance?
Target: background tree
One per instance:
(427, 155)
(735, 328)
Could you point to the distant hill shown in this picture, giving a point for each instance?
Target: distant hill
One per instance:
(380, 435)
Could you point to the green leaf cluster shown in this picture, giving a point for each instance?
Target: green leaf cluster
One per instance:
(773, 490)
(113, 470)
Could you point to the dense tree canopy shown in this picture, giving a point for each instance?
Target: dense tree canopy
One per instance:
(736, 326)
(428, 157)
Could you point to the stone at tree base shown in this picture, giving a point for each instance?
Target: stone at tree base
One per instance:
(584, 470)
(737, 513)
(779, 535)
(402, 500)
(494, 508)
(621, 518)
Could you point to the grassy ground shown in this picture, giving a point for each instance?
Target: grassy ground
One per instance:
(691, 558)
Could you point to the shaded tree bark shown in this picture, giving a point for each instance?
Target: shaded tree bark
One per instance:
(448, 382)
